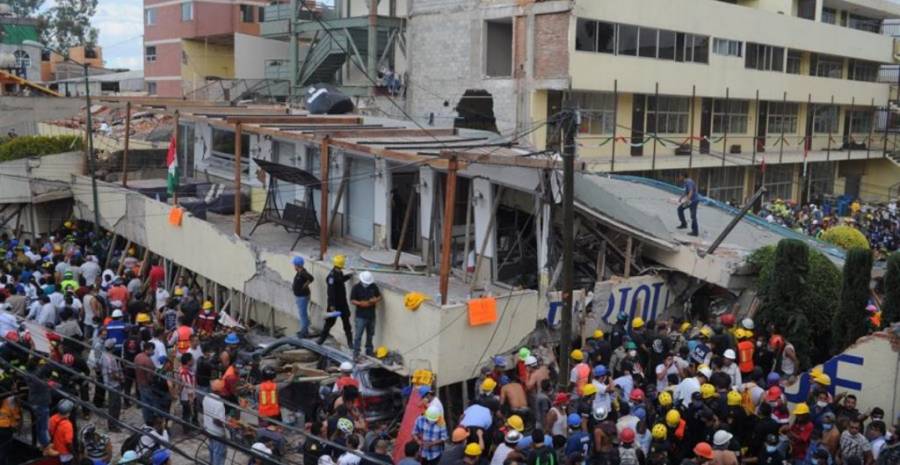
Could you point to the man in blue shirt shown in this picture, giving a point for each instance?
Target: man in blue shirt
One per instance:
(688, 200)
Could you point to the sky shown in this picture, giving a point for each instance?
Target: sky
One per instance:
(120, 23)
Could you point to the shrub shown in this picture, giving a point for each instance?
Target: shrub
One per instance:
(890, 311)
(845, 237)
(36, 146)
(850, 322)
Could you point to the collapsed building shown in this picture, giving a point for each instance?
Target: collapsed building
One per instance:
(263, 185)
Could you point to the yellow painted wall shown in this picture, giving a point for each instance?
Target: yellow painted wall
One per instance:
(539, 113)
(879, 176)
(201, 59)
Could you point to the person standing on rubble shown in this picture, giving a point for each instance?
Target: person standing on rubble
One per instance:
(365, 296)
(337, 300)
(302, 280)
(688, 201)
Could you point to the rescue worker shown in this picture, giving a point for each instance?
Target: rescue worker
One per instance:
(10, 419)
(116, 329)
(68, 283)
(181, 337)
(580, 373)
(745, 348)
(62, 433)
(337, 300)
(300, 288)
(346, 378)
(267, 392)
(205, 324)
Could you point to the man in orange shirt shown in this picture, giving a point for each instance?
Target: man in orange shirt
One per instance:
(62, 433)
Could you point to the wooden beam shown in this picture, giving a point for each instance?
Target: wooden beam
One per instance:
(237, 179)
(122, 258)
(323, 204)
(507, 160)
(296, 119)
(345, 173)
(628, 248)
(447, 229)
(127, 140)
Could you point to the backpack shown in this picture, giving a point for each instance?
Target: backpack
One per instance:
(546, 456)
(628, 456)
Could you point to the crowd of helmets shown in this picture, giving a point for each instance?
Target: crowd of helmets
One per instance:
(669, 392)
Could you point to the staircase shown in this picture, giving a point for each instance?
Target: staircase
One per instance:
(330, 52)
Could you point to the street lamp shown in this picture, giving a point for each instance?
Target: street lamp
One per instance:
(90, 132)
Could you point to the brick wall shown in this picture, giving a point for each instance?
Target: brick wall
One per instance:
(551, 39)
(520, 37)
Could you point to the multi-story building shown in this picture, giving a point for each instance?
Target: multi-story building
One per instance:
(16, 55)
(781, 93)
(189, 44)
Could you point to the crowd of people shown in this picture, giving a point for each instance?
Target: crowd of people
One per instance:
(669, 392)
(880, 224)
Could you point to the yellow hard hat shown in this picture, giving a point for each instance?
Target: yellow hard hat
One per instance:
(659, 431)
(473, 449)
(706, 331)
(143, 318)
(68, 224)
(515, 422)
(734, 398)
(588, 390)
(339, 261)
(132, 251)
(822, 379)
(637, 322)
(673, 417)
(685, 327)
(801, 409)
(207, 305)
(707, 391)
(665, 398)
(381, 352)
(598, 334)
(179, 291)
(488, 385)
(739, 333)
(412, 300)
(577, 355)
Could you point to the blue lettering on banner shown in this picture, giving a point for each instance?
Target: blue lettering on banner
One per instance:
(830, 368)
(654, 298)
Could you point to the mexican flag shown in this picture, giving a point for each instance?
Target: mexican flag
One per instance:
(172, 165)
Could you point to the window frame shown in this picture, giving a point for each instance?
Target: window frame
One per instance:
(863, 118)
(187, 7)
(598, 109)
(793, 56)
(150, 57)
(20, 61)
(674, 112)
(780, 114)
(150, 16)
(735, 115)
(151, 88)
(244, 10)
(831, 61)
(732, 48)
(819, 111)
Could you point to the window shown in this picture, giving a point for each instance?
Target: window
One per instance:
(586, 35)
(187, 11)
(827, 66)
(782, 117)
(667, 45)
(825, 118)
(821, 179)
(730, 116)
(673, 114)
(793, 61)
(764, 57)
(151, 88)
(499, 48)
(829, 15)
(779, 181)
(727, 47)
(725, 184)
(691, 48)
(860, 121)
(90, 53)
(246, 13)
(597, 112)
(647, 42)
(863, 70)
(864, 24)
(23, 59)
(806, 9)
(150, 53)
(606, 37)
(261, 13)
(150, 16)
(223, 148)
(628, 40)
(701, 49)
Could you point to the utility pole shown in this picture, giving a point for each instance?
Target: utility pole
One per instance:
(571, 121)
(92, 165)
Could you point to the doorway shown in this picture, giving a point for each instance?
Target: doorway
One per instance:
(404, 195)
(359, 208)
(637, 125)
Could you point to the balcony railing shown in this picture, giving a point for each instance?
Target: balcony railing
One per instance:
(325, 9)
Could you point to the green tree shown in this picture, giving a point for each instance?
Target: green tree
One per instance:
(784, 297)
(68, 24)
(850, 321)
(25, 8)
(890, 311)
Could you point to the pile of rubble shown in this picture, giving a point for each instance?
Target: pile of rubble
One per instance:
(110, 122)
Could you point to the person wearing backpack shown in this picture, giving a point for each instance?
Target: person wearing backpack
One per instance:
(541, 454)
(628, 453)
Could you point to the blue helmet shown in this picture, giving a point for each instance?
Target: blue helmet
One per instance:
(600, 370)
(574, 420)
(160, 457)
(298, 261)
(232, 339)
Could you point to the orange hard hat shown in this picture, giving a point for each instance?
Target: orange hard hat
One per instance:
(703, 449)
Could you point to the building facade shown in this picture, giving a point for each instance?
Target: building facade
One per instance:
(781, 93)
(190, 44)
(16, 55)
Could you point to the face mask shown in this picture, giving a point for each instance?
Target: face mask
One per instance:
(770, 448)
(632, 353)
(814, 462)
(822, 403)
(827, 426)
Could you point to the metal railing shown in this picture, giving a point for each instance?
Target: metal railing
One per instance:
(277, 69)
(326, 9)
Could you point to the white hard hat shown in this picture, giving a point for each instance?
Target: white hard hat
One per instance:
(531, 360)
(366, 278)
(260, 447)
(346, 367)
(117, 313)
(722, 437)
(705, 371)
(747, 323)
(729, 354)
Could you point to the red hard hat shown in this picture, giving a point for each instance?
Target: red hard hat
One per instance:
(68, 360)
(773, 394)
(776, 341)
(12, 336)
(627, 436)
(727, 319)
(637, 395)
(703, 449)
(27, 337)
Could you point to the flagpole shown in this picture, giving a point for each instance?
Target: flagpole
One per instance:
(175, 139)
